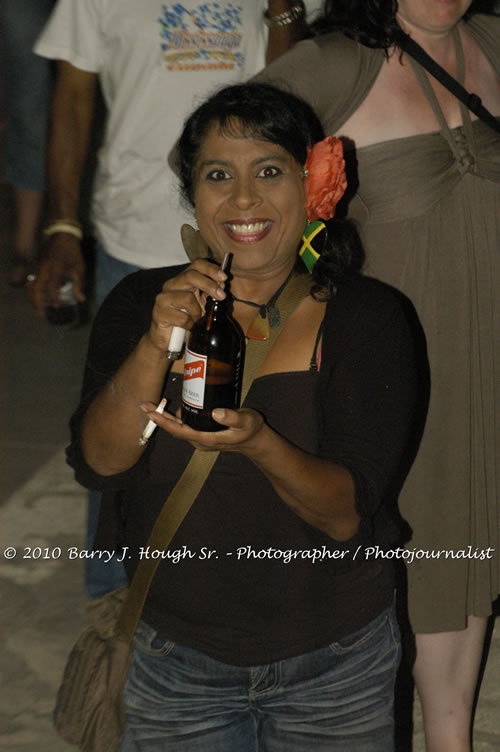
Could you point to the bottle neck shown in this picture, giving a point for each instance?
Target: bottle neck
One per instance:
(212, 304)
(213, 309)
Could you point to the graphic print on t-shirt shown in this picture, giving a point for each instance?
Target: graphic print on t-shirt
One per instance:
(204, 39)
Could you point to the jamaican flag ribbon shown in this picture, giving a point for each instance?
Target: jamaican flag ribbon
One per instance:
(307, 253)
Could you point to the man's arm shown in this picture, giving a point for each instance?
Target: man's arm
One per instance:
(71, 120)
(281, 38)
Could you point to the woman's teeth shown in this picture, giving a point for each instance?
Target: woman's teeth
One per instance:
(249, 229)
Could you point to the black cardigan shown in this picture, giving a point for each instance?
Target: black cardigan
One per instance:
(265, 593)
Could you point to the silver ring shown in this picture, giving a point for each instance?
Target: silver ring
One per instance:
(30, 277)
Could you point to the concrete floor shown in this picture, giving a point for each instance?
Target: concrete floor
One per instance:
(42, 601)
(40, 505)
(40, 374)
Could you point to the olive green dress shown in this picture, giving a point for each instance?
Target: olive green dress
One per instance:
(428, 210)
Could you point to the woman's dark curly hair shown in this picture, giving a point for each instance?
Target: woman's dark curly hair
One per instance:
(370, 22)
(264, 112)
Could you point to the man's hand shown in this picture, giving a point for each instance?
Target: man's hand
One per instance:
(61, 257)
(71, 118)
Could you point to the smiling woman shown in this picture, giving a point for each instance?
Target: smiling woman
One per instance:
(245, 196)
(310, 463)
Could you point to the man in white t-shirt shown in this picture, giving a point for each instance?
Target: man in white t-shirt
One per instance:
(154, 61)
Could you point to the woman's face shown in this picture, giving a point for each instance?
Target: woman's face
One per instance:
(249, 200)
(431, 16)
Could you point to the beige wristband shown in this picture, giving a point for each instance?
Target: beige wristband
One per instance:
(67, 226)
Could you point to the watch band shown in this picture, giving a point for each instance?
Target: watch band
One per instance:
(296, 12)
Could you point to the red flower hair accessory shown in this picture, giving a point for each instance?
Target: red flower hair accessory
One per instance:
(324, 178)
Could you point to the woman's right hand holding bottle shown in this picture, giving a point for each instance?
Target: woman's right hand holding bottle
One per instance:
(181, 301)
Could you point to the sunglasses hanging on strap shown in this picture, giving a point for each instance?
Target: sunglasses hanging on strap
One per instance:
(471, 101)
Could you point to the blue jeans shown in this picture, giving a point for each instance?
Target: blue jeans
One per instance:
(336, 699)
(102, 576)
(28, 83)
(108, 272)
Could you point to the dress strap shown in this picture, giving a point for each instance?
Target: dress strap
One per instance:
(425, 84)
(315, 362)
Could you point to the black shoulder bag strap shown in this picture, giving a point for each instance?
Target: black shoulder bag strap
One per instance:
(471, 101)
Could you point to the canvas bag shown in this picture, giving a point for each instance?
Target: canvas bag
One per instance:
(89, 707)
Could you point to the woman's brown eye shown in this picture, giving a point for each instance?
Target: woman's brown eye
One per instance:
(269, 172)
(217, 175)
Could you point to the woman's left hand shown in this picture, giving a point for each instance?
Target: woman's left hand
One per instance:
(319, 491)
(242, 429)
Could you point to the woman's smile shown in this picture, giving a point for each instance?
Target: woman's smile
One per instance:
(248, 231)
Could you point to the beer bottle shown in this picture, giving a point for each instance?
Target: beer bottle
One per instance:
(213, 366)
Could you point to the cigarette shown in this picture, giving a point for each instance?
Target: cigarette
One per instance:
(151, 425)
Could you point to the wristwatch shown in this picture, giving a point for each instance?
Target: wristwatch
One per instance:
(296, 12)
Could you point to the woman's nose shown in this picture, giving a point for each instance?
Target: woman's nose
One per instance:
(245, 193)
